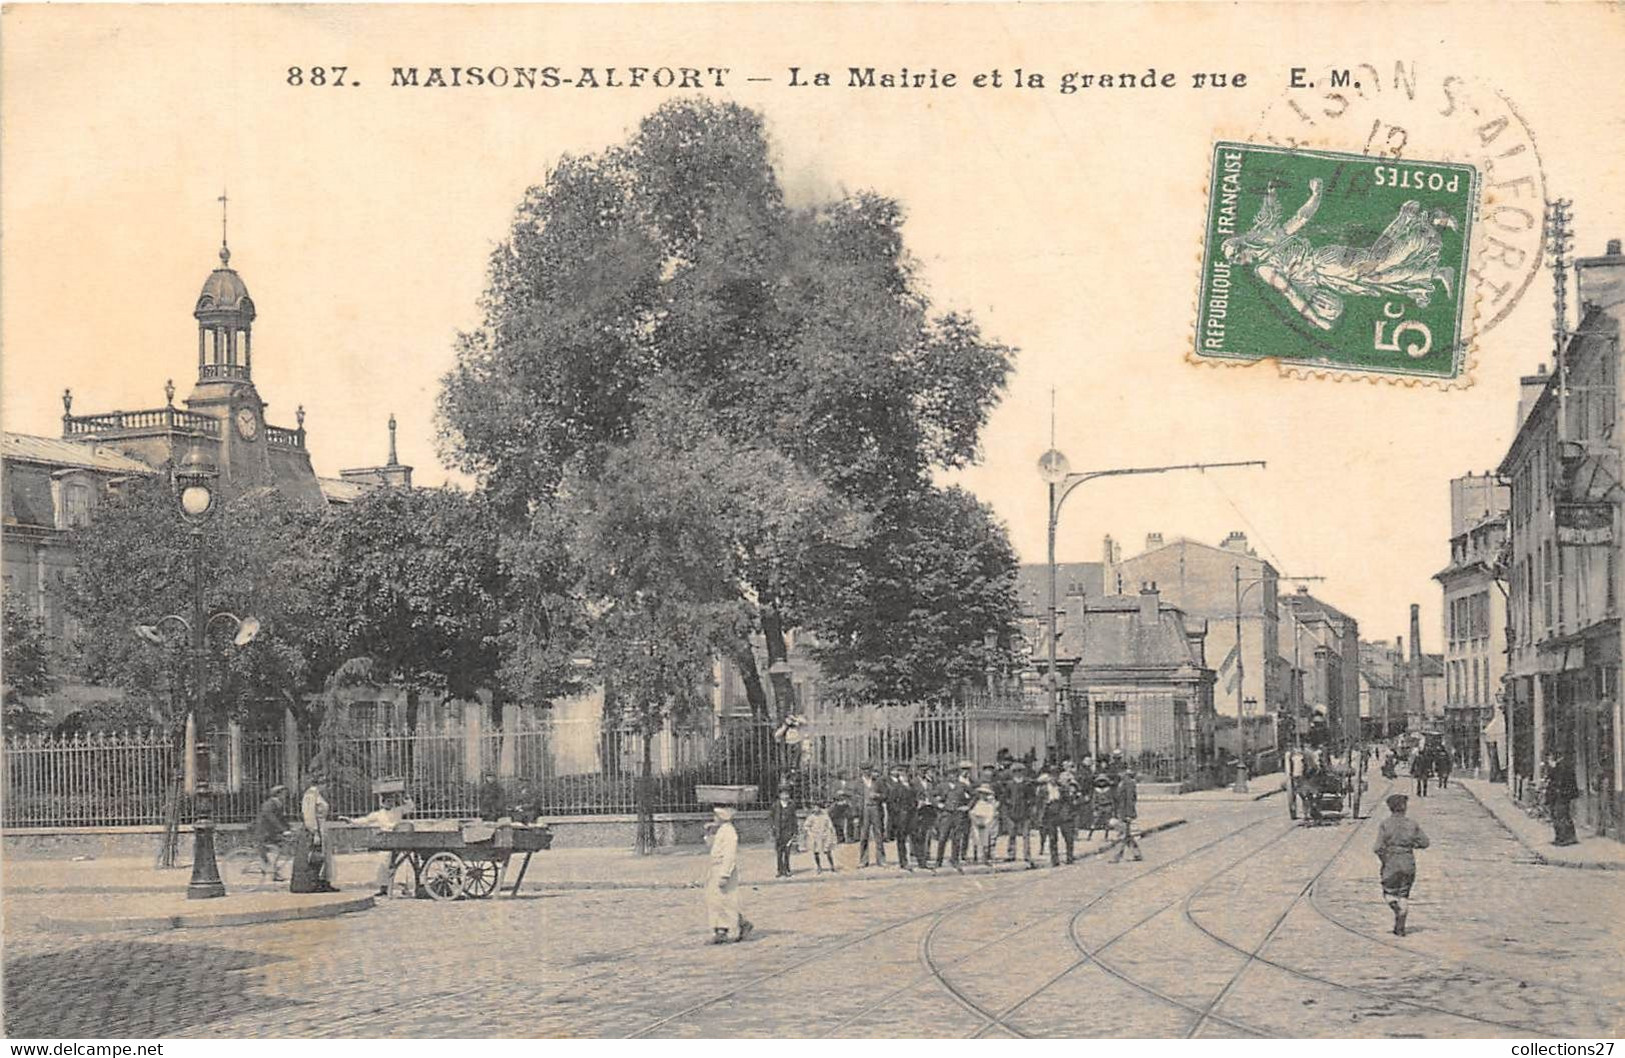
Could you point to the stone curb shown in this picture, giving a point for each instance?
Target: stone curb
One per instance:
(872, 875)
(206, 919)
(1546, 859)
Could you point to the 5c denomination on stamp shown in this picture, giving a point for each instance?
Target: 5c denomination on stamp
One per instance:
(1343, 261)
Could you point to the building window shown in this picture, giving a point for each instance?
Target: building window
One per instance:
(1111, 722)
(1546, 586)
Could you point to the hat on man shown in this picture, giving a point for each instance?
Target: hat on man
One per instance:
(1018, 768)
(1397, 802)
(1104, 782)
(984, 788)
(277, 791)
(967, 765)
(868, 767)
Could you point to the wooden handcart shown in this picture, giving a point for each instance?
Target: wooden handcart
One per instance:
(469, 862)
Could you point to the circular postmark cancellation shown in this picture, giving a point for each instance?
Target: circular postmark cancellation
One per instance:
(1394, 127)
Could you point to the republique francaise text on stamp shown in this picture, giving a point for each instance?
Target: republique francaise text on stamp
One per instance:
(1344, 261)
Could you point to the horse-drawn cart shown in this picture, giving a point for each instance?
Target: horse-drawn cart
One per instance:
(1324, 786)
(466, 860)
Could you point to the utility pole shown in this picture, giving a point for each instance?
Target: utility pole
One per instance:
(1056, 471)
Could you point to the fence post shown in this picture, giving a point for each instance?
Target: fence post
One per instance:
(472, 722)
(510, 732)
(290, 750)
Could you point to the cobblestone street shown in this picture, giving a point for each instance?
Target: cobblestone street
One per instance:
(1236, 924)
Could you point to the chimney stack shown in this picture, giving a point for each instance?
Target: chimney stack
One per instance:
(1107, 549)
(1236, 541)
(1153, 541)
(1416, 632)
(1150, 604)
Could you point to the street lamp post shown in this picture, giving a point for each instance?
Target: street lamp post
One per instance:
(195, 492)
(1057, 473)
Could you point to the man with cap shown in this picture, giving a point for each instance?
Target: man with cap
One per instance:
(1397, 837)
(954, 824)
(1051, 807)
(871, 817)
(900, 812)
(722, 881)
(1018, 811)
(270, 827)
(924, 788)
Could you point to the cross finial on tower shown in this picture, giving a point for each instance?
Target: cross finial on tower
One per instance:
(392, 459)
(225, 253)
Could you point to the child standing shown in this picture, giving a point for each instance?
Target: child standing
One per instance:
(821, 837)
(984, 815)
(785, 825)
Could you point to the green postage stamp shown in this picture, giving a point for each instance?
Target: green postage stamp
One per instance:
(1340, 262)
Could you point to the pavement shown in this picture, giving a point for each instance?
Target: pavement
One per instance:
(1535, 835)
(1499, 945)
(558, 869)
(118, 912)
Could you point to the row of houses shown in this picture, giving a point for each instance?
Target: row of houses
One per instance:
(1190, 647)
(1531, 594)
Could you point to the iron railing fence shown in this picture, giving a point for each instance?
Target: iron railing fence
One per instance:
(561, 766)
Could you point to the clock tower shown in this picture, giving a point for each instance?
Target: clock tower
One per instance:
(224, 415)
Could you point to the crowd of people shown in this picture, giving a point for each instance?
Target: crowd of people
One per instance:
(957, 817)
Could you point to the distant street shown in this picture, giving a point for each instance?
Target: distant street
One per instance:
(1237, 924)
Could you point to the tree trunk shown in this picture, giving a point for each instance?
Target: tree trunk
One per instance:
(645, 797)
(745, 661)
(784, 693)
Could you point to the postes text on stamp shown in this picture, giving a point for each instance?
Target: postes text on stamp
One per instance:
(1343, 261)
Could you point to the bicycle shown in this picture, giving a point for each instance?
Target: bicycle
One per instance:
(244, 861)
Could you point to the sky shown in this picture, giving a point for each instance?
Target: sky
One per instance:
(1068, 224)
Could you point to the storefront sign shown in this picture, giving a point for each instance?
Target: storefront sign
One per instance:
(1585, 524)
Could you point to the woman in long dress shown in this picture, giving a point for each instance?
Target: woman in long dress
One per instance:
(722, 881)
(313, 854)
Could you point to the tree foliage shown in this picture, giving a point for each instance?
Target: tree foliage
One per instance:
(740, 405)
(403, 586)
(28, 668)
(134, 567)
(410, 581)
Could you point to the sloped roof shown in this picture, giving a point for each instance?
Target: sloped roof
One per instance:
(338, 490)
(1112, 634)
(1032, 584)
(50, 451)
(1302, 600)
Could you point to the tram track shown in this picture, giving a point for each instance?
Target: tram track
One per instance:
(933, 970)
(1255, 956)
(1092, 955)
(937, 972)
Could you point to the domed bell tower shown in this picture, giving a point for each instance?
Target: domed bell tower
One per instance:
(225, 363)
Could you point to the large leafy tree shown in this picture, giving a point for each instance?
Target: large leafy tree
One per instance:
(134, 566)
(662, 331)
(410, 588)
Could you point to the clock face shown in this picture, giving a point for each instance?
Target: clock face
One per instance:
(248, 424)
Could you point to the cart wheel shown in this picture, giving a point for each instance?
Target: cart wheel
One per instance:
(479, 878)
(443, 876)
